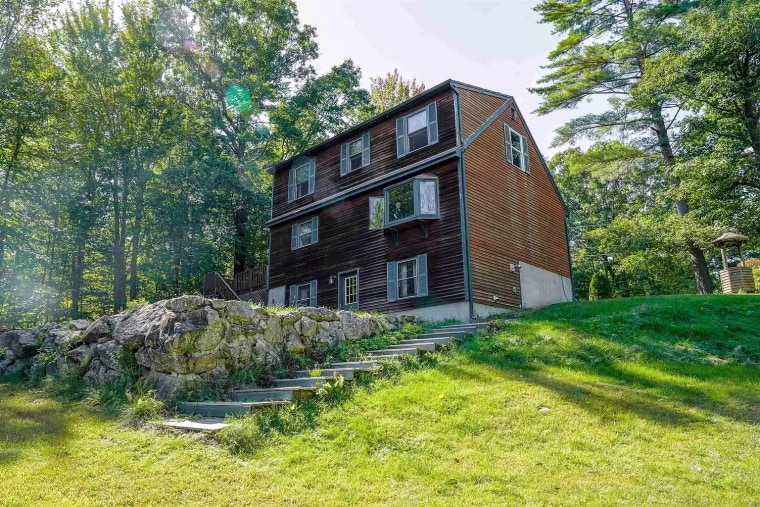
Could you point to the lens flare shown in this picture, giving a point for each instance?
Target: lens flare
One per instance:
(212, 70)
(238, 99)
(189, 46)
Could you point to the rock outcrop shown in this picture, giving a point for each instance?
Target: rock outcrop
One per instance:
(179, 341)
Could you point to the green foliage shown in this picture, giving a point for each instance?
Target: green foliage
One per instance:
(653, 386)
(606, 54)
(124, 177)
(393, 89)
(218, 386)
(600, 286)
(142, 407)
(334, 388)
(68, 386)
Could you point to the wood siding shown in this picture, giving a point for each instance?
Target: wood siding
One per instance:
(476, 108)
(382, 157)
(513, 216)
(347, 243)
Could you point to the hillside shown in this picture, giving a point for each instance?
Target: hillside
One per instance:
(627, 402)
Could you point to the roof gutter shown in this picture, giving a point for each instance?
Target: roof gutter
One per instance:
(463, 212)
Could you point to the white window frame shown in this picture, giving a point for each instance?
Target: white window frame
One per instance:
(417, 215)
(293, 186)
(509, 149)
(402, 129)
(293, 300)
(296, 235)
(345, 154)
(421, 278)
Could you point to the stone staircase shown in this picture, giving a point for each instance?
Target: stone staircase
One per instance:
(306, 382)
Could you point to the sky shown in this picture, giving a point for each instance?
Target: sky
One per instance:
(499, 45)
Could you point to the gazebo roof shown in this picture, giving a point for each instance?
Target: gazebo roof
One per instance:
(730, 239)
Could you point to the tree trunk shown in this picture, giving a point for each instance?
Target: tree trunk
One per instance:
(241, 240)
(136, 232)
(702, 277)
(119, 253)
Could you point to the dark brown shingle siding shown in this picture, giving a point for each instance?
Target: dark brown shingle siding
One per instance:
(382, 158)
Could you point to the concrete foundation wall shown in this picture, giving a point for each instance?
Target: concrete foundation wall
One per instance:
(459, 311)
(540, 287)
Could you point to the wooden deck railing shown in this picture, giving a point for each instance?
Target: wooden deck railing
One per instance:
(226, 288)
(250, 280)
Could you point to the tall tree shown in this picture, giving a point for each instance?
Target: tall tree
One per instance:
(715, 72)
(606, 48)
(321, 108)
(386, 92)
(238, 59)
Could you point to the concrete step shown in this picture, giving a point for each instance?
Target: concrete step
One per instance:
(273, 394)
(391, 353)
(474, 325)
(207, 424)
(224, 408)
(418, 344)
(327, 372)
(444, 334)
(302, 382)
(441, 341)
(355, 365)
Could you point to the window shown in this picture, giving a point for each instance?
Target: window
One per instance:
(517, 149)
(304, 294)
(301, 179)
(376, 213)
(410, 200)
(407, 278)
(304, 233)
(417, 130)
(354, 155)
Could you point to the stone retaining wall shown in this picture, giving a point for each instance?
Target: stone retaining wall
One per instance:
(180, 341)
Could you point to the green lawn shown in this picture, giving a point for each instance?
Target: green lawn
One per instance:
(644, 401)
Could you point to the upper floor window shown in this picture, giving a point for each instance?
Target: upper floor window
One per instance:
(517, 149)
(354, 154)
(407, 278)
(301, 179)
(412, 199)
(304, 233)
(303, 294)
(417, 130)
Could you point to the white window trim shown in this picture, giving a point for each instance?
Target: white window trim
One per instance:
(416, 279)
(311, 165)
(415, 194)
(296, 233)
(432, 106)
(422, 277)
(524, 154)
(345, 154)
(293, 299)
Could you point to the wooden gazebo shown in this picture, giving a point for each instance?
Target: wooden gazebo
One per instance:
(737, 278)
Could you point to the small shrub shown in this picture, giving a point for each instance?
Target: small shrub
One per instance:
(242, 435)
(600, 286)
(69, 386)
(334, 388)
(114, 396)
(142, 407)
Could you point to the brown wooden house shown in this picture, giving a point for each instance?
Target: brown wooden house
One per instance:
(440, 207)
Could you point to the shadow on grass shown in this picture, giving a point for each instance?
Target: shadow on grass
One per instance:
(24, 419)
(641, 375)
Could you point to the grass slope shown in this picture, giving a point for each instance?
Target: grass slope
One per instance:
(645, 401)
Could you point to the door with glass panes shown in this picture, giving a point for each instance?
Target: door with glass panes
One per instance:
(348, 290)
